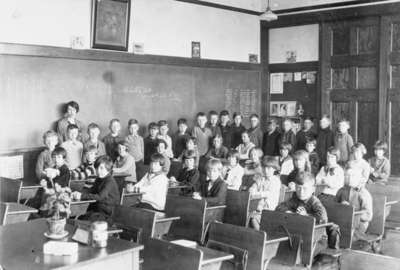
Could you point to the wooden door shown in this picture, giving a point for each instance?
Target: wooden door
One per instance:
(349, 76)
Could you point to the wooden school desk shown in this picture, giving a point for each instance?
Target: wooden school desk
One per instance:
(79, 208)
(16, 213)
(21, 247)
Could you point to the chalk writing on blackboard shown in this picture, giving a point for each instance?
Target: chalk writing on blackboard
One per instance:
(149, 93)
(241, 100)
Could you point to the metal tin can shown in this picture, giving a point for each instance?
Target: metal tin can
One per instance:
(99, 235)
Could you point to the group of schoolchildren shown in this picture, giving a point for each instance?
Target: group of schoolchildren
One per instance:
(217, 155)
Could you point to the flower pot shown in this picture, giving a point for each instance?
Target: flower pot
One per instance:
(56, 226)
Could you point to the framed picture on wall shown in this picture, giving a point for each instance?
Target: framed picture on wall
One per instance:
(282, 108)
(110, 24)
(196, 50)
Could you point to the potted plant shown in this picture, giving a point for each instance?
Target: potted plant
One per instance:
(57, 208)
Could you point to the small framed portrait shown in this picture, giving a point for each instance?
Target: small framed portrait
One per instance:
(110, 24)
(291, 56)
(196, 51)
(253, 58)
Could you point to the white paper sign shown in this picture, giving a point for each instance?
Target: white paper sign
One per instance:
(276, 83)
(12, 167)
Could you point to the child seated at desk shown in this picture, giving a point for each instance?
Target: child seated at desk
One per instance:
(358, 151)
(86, 170)
(380, 165)
(301, 164)
(233, 172)
(245, 147)
(212, 188)
(104, 191)
(285, 162)
(125, 163)
(73, 147)
(217, 150)
(331, 176)
(303, 202)
(59, 174)
(354, 193)
(162, 150)
(189, 174)
(253, 164)
(190, 146)
(44, 161)
(267, 187)
(154, 185)
(313, 156)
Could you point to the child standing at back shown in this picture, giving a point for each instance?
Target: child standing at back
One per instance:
(237, 130)
(213, 124)
(94, 132)
(271, 139)
(44, 161)
(313, 156)
(255, 131)
(343, 141)
(285, 162)
(163, 135)
(73, 147)
(135, 142)
(325, 138)
(112, 139)
(380, 165)
(358, 151)
(180, 137)
(150, 142)
(225, 128)
(202, 134)
(288, 135)
(355, 194)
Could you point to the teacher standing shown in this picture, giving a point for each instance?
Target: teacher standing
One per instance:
(71, 110)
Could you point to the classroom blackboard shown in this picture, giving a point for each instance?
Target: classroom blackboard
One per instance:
(33, 89)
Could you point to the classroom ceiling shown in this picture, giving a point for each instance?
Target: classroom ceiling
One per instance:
(289, 4)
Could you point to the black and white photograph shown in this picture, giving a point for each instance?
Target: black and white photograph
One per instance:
(200, 135)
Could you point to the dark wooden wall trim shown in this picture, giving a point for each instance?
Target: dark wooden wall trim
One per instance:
(333, 15)
(294, 67)
(220, 6)
(264, 56)
(124, 57)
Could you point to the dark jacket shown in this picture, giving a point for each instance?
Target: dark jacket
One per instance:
(315, 163)
(150, 148)
(190, 178)
(111, 144)
(270, 144)
(216, 195)
(289, 137)
(302, 137)
(256, 136)
(226, 133)
(313, 207)
(236, 135)
(106, 193)
(179, 143)
(325, 139)
(63, 178)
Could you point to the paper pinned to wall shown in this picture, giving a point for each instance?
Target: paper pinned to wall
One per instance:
(12, 167)
(276, 83)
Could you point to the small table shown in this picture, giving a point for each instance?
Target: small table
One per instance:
(79, 208)
(18, 213)
(21, 247)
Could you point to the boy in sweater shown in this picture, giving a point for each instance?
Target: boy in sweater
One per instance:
(202, 134)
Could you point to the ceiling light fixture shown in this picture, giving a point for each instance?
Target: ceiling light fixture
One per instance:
(268, 15)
